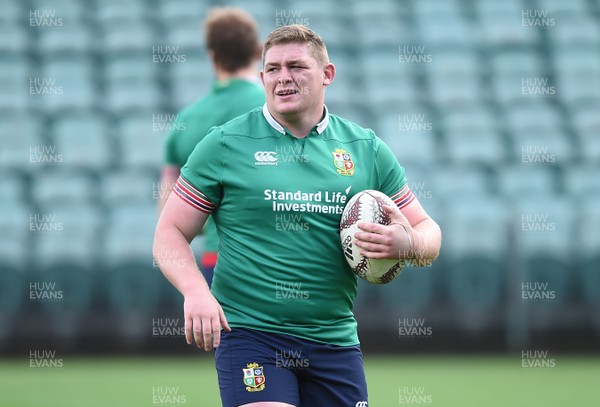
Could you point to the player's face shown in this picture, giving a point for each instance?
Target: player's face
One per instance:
(294, 80)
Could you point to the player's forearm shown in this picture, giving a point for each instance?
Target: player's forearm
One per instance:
(426, 240)
(176, 260)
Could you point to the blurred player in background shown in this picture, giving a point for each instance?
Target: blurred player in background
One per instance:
(285, 300)
(233, 44)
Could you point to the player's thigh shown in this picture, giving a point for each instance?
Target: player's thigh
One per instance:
(248, 372)
(268, 404)
(336, 377)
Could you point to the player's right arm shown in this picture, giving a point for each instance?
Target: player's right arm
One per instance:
(177, 226)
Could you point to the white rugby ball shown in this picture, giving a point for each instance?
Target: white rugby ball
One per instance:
(367, 206)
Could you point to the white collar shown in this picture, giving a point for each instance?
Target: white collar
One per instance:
(321, 126)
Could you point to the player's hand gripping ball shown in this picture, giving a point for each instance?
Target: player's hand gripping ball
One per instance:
(367, 206)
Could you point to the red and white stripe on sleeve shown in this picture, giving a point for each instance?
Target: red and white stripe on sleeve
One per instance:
(403, 197)
(193, 196)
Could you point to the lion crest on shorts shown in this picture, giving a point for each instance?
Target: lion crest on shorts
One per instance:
(254, 377)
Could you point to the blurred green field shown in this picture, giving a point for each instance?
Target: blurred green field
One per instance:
(439, 381)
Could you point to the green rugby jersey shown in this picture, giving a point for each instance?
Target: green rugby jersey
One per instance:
(277, 202)
(227, 100)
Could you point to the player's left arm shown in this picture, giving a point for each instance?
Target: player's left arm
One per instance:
(412, 234)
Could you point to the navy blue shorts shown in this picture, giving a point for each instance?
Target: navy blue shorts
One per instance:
(255, 366)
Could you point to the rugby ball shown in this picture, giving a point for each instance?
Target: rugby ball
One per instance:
(367, 206)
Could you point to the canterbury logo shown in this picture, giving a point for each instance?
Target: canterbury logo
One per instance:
(265, 158)
(361, 404)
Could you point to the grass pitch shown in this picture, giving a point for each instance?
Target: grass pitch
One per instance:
(393, 381)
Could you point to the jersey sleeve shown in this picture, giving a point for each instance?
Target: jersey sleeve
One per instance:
(202, 173)
(390, 174)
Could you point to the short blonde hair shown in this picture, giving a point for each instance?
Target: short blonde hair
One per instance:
(297, 33)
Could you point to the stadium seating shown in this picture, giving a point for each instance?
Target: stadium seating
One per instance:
(15, 82)
(505, 29)
(464, 180)
(13, 187)
(67, 233)
(547, 241)
(518, 63)
(521, 180)
(69, 84)
(575, 29)
(189, 80)
(13, 37)
(178, 10)
(588, 247)
(439, 30)
(75, 37)
(141, 145)
(74, 287)
(68, 10)
(133, 281)
(12, 286)
(83, 141)
(449, 91)
(479, 150)
(475, 250)
(412, 290)
(129, 187)
(60, 185)
(586, 125)
(129, 234)
(22, 142)
(582, 183)
(410, 143)
(15, 240)
(111, 10)
(478, 146)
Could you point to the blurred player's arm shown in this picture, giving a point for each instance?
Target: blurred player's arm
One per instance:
(168, 176)
(177, 226)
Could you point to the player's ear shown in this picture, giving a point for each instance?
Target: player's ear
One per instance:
(328, 74)
(262, 78)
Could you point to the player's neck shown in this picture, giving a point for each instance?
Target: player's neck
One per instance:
(300, 124)
(249, 73)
